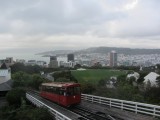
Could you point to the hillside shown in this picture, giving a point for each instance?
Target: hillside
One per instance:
(104, 50)
(56, 52)
(127, 51)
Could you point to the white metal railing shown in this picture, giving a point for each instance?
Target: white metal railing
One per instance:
(136, 107)
(38, 103)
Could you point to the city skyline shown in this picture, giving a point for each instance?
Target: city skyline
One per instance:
(29, 27)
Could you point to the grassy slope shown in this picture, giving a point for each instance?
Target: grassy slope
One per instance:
(93, 76)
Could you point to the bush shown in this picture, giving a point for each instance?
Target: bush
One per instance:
(102, 82)
(36, 81)
(62, 80)
(33, 114)
(15, 95)
(88, 88)
(29, 113)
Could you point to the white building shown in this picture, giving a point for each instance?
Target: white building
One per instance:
(41, 63)
(8, 61)
(69, 64)
(113, 59)
(111, 82)
(151, 77)
(134, 74)
(31, 62)
(20, 61)
(5, 73)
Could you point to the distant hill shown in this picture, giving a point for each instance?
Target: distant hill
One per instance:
(103, 50)
(56, 52)
(128, 51)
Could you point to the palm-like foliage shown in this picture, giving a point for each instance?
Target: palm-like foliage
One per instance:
(158, 81)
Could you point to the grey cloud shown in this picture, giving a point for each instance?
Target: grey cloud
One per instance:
(143, 21)
(36, 20)
(50, 17)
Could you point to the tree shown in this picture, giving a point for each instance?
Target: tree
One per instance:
(29, 113)
(65, 75)
(15, 95)
(17, 67)
(101, 82)
(88, 88)
(121, 80)
(62, 80)
(36, 81)
(152, 95)
(130, 72)
(158, 81)
(33, 114)
(97, 65)
(142, 75)
(138, 98)
(77, 66)
(21, 79)
(148, 85)
(132, 79)
(126, 92)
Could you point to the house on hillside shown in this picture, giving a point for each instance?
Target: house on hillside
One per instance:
(111, 82)
(133, 77)
(5, 79)
(151, 78)
(5, 73)
(134, 74)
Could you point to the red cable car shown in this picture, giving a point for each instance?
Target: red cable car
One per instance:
(65, 94)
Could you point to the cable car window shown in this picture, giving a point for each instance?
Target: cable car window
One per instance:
(77, 90)
(54, 90)
(47, 88)
(57, 90)
(41, 88)
(62, 91)
(70, 91)
(44, 88)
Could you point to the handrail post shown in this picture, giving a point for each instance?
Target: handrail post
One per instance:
(136, 108)
(99, 100)
(154, 112)
(56, 116)
(92, 99)
(110, 103)
(122, 105)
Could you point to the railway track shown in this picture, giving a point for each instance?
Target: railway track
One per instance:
(87, 114)
(91, 115)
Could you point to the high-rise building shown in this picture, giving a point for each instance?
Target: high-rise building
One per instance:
(113, 59)
(70, 57)
(53, 62)
(20, 61)
(8, 61)
(53, 58)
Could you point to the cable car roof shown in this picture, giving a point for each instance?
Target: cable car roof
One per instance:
(60, 84)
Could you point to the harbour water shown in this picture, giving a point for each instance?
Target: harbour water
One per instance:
(27, 57)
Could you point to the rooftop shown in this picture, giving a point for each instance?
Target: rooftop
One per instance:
(4, 66)
(6, 86)
(60, 84)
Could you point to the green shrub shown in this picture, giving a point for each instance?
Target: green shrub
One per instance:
(15, 95)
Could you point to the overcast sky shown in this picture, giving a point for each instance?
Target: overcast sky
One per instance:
(31, 26)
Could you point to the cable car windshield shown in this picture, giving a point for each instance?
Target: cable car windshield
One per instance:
(73, 90)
